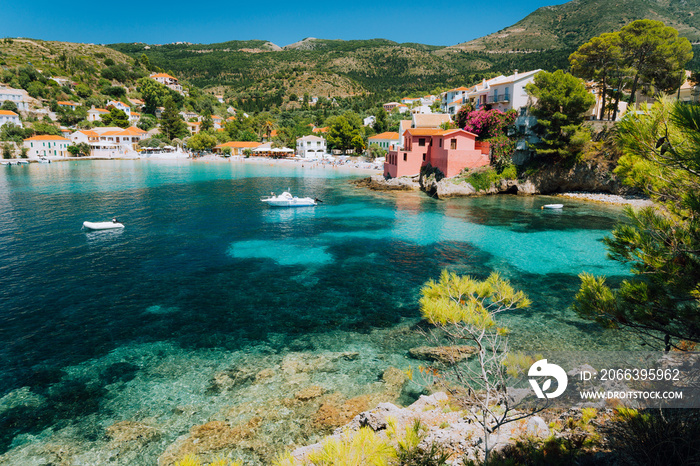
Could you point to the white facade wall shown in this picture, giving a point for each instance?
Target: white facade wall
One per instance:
(9, 118)
(311, 147)
(18, 96)
(47, 148)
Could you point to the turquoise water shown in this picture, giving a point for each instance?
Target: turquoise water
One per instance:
(98, 327)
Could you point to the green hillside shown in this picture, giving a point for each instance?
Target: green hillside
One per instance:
(569, 25)
(337, 68)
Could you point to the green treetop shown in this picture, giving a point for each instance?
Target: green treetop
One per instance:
(562, 101)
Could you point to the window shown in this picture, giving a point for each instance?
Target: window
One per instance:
(404, 157)
(423, 157)
(440, 142)
(421, 142)
(453, 144)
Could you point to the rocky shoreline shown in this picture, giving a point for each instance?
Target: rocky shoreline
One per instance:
(583, 181)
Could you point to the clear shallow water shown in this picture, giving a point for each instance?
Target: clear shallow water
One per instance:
(203, 271)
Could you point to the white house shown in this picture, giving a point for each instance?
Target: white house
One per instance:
(168, 81)
(9, 117)
(18, 96)
(121, 106)
(311, 147)
(47, 146)
(453, 97)
(95, 114)
(502, 92)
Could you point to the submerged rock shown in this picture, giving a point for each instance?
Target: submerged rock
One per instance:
(309, 393)
(208, 439)
(130, 432)
(443, 354)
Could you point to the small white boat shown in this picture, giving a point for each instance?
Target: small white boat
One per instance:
(553, 206)
(43, 160)
(102, 225)
(287, 200)
(22, 162)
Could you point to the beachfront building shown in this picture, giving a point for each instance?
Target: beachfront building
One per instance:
(9, 117)
(17, 96)
(450, 151)
(237, 147)
(311, 147)
(47, 146)
(384, 140)
(110, 141)
(168, 81)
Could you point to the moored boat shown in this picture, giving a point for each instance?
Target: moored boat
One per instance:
(553, 206)
(102, 225)
(287, 200)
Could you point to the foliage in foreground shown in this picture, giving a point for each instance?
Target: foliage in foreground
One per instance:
(661, 244)
(464, 310)
(366, 447)
(656, 437)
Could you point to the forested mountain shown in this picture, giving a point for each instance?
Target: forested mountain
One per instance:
(336, 68)
(565, 27)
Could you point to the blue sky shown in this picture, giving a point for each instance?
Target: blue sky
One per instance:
(435, 22)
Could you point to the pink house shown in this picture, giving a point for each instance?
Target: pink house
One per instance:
(450, 150)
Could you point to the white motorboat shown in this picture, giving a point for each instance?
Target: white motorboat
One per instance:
(43, 160)
(553, 206)
(287, 200)
(102, 225)
(22, 162)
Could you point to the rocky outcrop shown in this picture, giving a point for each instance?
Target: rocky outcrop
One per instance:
(379, 183)
(443, 354)
(582, 176)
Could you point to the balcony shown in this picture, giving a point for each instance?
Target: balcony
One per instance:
(495, 99)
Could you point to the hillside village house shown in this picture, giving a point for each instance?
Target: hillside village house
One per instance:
(194, 126)
(389, 106)
(9, 117)
(188, 115)
(47, 146)
(503, 92)
(68, 105)
(95, 114)
(452, 98)
(18, 96)
(121, 106)
(237, 147)
(168, 81)
(384, 140)
(311, 147)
